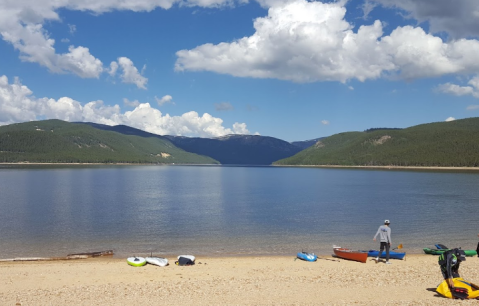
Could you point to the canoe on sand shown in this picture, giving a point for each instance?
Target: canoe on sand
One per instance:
(350, 254)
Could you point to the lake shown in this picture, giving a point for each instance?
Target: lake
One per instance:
(221, 210)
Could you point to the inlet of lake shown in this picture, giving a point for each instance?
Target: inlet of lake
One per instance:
(230, 211)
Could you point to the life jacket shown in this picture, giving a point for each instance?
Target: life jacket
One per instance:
(443, 259)
(457, 256)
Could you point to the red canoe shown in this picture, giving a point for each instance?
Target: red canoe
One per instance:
(350, 254)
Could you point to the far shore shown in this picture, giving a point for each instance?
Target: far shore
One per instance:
(292, 166)
(269, 280)
(105, 164)
(385, 167)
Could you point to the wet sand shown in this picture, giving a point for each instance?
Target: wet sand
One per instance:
(229, 281)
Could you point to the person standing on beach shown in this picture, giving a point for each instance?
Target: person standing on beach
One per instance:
(384, 232)
(477, 249)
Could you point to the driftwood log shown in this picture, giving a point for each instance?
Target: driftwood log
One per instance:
(68, 257)
(93, 254)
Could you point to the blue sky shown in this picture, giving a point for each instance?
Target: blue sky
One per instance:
(293, 70)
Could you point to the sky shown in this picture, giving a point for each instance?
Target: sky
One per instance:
(294, 70)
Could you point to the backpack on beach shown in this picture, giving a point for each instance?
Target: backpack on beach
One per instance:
(183, 261)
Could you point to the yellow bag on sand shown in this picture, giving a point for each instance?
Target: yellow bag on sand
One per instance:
(443, 288)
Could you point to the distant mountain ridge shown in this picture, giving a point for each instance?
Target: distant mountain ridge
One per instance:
(228, 150)
(92, 142)
(56, 141)
(238, 149)
(442, 144)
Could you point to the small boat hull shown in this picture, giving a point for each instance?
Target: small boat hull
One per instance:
(136, 261)
(158, 261)
(351, 255)
(440, 251)
(307, 256)
(392, 254)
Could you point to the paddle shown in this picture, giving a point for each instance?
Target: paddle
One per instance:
(328, 259)
(398, 247)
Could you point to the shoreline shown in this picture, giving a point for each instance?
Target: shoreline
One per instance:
(272, 165)
(385, 167)
(273, 280)
(116, 255)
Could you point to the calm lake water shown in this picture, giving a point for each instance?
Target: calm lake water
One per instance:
(219, 210)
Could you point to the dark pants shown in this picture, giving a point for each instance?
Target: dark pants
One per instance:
(381, 249)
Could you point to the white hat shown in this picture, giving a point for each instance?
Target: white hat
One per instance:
(386, 221)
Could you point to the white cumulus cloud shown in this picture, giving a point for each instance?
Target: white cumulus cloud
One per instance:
(459, 18)
(455, 89)
(472, 88)
(129, 73)
(164, 100)
(18, 104)
(22, 25)
(449, 119)
(240, 128)
(305, 41)
(113, 68)
(325, 122)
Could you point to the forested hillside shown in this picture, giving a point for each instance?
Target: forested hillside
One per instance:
(444, 144)
(55, 141)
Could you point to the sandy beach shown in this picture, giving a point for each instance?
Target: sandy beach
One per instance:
(229, 281)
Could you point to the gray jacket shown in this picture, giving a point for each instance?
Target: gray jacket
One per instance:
(384, 233)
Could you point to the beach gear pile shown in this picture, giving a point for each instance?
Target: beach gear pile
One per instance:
(183, 260)
(462, 289)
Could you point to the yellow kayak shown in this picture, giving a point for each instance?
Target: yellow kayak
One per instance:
(472, 290)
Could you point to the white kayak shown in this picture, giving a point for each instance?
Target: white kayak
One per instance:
(159, 261)
(190, 257)
(136, 261)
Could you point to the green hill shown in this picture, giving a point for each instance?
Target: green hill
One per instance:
(55, 141)
(442, 144)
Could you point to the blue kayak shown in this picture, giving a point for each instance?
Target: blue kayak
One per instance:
(392, 254)
(307, 256)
